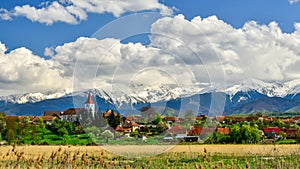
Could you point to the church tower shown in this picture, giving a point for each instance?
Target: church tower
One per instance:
(90, 105)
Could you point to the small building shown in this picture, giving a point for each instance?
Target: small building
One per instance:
(176, 130)
(46, 119)
(168, 138)
(225, 131)
(170, 119)
(191, 138)
(297, 119)
(71, 114)
(53, 113)
(291, 133)
(271, 132)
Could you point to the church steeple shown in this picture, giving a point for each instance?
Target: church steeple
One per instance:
(89, 99)
(90, 105)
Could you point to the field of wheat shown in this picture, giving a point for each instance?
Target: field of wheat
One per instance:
(179, 156)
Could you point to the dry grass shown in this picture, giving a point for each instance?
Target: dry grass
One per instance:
(180, 156)
(240, 150)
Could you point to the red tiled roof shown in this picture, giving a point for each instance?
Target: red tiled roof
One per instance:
(171, 118)
(223, 130)
(271, 129)
(296, 118)
(177, 127)
(200, 131)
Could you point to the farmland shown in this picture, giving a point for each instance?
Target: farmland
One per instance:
(179, 156)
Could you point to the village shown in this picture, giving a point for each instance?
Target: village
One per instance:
(256, 128)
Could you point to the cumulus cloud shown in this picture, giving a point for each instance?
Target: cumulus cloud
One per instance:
(50, 14)
(254, 51)
(74, 11)
(22, 71)
(182, 53)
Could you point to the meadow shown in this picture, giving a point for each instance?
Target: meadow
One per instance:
(133, 156)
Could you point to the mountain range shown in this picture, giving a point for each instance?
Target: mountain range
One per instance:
(248, 96)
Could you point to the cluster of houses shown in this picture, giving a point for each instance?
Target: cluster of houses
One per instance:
(132, 123)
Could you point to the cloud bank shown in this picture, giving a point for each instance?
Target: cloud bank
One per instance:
(74, 11)
(182, 52)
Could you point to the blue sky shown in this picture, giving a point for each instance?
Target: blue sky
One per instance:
(35, 36)
(41, 43)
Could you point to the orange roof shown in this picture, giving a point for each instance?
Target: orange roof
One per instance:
(89, 99)
(19, 117)
(109, 112)
(135, 124)
(223, 130)
(72, 111)
(119, 128)
(45, 118)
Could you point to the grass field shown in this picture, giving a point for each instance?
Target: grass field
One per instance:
(179, 156)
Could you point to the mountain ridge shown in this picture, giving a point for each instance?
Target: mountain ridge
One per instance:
(246, 97)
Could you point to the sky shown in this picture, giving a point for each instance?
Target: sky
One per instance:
(80, 44)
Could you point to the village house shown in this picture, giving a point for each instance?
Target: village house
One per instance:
(291, 133)
(46, 119)
(53, 113)
(71, 114)
(271, 132)
(225, 130)
(297, 119)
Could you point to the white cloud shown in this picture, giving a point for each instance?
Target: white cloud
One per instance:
(48, 15)
(74, 11)
(4, 14)
(22, 72)
(117, 8)
(182, 52)
(293, 1)
(253, 51)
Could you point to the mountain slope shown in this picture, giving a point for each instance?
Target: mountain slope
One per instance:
(246, 97)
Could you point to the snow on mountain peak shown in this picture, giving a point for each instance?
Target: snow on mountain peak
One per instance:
(136, 93)
(275, 89)
(32, 97)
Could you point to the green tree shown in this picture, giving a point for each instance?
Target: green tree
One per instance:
(42, 126)
(107, 135)
(62, 131)
(157, 119)
(298, 135)
(10, 136)
(189, 115)
(2, 124)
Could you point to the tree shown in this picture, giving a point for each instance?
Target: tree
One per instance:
(161, 127)
(298, 135)
(10, 136)
(148, 113)
(157, 119)
(189, 115)
(107, 135)
(2, 124)
(42, 126)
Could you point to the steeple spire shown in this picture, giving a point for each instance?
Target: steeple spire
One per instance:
(90, 105)
(89, 99)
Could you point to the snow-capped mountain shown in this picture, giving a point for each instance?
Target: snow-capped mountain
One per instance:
(141, 93)
(247, 96)
(277, 89)
(32, 97)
